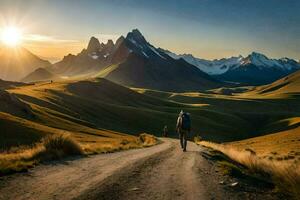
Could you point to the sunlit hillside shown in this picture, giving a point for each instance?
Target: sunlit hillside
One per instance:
(98, 103)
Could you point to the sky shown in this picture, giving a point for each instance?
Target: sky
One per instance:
(209, 29)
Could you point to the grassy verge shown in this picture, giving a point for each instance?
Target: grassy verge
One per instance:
(286, 176)
(59, 146)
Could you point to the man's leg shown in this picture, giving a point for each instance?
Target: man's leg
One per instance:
(185, 140)
(181, 139)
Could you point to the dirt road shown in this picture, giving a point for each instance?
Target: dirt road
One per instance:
(159, 172)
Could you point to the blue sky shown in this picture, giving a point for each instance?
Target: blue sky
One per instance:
(206, 28)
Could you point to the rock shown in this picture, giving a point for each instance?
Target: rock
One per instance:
(134, 189)
(234, 184)
(221, 182)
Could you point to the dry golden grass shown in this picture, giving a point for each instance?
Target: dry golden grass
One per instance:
(51, 147)
(144, 140)
(283, 145)
(58, 146)
(285, 175)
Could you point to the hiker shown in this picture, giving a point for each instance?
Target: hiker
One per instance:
(165, 131)
(183, 128)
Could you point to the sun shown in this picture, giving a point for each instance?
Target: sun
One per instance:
(11, 36)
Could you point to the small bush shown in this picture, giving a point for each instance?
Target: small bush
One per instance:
(61, 145)
(147, 140)
(197, 139)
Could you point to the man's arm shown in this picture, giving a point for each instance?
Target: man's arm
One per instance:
(178, 125)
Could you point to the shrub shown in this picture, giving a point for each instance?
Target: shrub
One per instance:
(60, 145)
(197, 138)
(147, 140)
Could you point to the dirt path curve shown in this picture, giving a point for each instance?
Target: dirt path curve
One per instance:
(159, 172)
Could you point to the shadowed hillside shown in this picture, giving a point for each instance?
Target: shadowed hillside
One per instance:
(82, 106)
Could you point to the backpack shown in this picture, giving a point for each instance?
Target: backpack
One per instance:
(185, 122)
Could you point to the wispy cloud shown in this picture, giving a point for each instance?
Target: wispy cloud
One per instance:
(46, 39)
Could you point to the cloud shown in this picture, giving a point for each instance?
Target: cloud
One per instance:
(46, 39)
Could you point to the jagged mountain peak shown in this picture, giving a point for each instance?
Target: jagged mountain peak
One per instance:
(120, 39)
(110, 43)
(94, 45)
(135, 36)
(256, 54)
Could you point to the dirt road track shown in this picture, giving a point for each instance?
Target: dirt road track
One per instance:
(159, 172)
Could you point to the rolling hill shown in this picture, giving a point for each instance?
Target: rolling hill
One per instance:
(289, 85)
(101, 108)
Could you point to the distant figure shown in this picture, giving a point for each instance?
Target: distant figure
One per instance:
(165, 131)
(183, 128)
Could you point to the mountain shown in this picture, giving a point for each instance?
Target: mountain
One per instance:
(212, 67)
(134, 62)
(40, 74)
(15, 63)
(255, 69)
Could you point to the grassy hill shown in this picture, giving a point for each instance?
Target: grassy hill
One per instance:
(283, 88)
(282, 145)
(101, 104)
(88, 106)
(262, 114)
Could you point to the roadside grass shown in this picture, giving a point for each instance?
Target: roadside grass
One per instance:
(286, 176)
(59, 146)
(143, 140)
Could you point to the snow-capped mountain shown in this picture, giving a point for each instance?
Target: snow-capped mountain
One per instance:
(133, 61)
(262, 61)
(254, 69)
(212, 67)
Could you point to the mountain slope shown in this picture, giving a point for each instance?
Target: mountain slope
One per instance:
(90, 60)
(16, 63)
(255, 69)
(40, 74)
(148, 67)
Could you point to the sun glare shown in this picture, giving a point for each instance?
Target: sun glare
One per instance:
(11, 36)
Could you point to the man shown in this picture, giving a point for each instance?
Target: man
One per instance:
(183, 128)
(165, 131)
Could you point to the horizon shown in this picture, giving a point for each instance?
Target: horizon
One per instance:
(208, 29)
